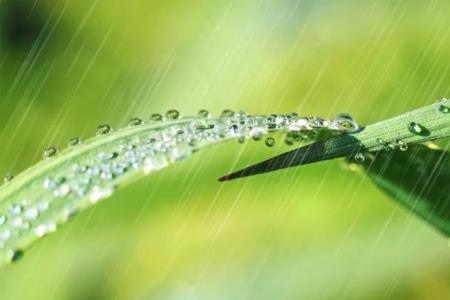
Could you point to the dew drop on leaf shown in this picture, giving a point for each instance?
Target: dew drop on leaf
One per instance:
(203, 113)
(270, 141)
(227, 113)
(103, 129)
(8, 178)
(172, 114)
(50, 152)
(156, 117)
(74, 142)
(134, 122)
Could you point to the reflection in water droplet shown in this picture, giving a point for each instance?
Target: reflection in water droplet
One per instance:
(50, 152)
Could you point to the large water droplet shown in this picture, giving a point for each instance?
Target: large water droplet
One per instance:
(418, 129)
(346, 122)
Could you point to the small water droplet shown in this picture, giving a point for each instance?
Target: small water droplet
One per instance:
(74, 142)
(203, 113)
(50, 152)
(5, 234)
(227, 113)
(41, 230)
(103, 129)
(444, 109)
(16, 255)
(156, 117)
(99, 193)
(172, 114)
(7, 178)
(360, 157)
(270, 141)
(134, 122)
(403, 146)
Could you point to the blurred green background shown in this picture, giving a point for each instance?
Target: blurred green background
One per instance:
(316, 232)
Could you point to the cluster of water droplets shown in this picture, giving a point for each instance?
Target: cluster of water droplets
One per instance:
(114, 156)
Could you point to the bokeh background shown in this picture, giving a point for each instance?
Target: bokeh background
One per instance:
(315, 232)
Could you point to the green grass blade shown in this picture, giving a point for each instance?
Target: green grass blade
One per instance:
(419, 179)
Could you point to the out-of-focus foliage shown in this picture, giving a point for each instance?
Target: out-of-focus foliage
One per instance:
(318, 231)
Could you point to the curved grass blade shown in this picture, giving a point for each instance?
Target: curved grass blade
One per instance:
(419, 179)
(48, 194)
(428, 123)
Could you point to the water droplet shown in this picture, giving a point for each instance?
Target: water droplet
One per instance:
(418, 129)
(50, 152)
(227, 113)
(257, 133)
(444, 109)
(203, 113)
(17, 222)
(103, 129)
(16, 255)
(270, 141)
(2, 219)
(134, 122)
(74, 142)
(5, 234)
(403, 146)
(381, 141)
(7, 178)
(346, 122)
(41, 230)
(172, 114)
(359, 157)
(108, 155)
(156, 117)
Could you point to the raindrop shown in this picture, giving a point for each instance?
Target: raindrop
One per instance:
(74, 142)
(418, 129)
(172, 114)
(50, 152)
(403, 146)
(227, 113)
(103, 129)
(156, 117)
(270, 141)
(444, 109)
(359, 157)
(346, 122)
(16, 255)
(203, 113)
(134, 122)
(8, 178)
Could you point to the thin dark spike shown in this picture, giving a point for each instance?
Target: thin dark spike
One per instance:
(339, 146)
